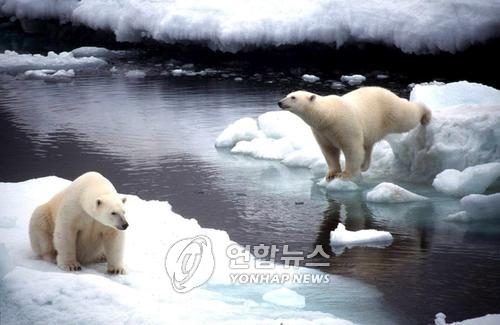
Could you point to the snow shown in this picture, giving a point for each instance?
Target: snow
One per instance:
(353, 80)
(463, 131)
(310, 78)
(490, 319)
(341, 237)
(145, 294)
(135, 74)
(472, 180)
(392, 193)
(413, 27)
(12, 62)
(50, 75)
(477, 207)
(285, 297)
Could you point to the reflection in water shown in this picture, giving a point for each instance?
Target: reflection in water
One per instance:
(154, 138)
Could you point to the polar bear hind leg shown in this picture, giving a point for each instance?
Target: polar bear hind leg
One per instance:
(41, 236)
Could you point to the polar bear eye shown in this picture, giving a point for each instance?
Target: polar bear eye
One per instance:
(113, 213)
(293, 97)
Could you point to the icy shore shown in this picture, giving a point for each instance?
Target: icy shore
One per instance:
(413, 26)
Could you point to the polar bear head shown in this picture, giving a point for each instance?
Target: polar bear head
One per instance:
(109, 210)
(297, 102)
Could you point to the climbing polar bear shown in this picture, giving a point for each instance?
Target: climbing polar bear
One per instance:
(353, 123)
(83, 223)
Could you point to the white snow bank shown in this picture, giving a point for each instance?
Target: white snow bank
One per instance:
(392, 193)
(463, 131)
(490, 319)
(145, 294)
(353, 80)
(285, 297)
(50, 75)
(12, 62)
(472, 180)
(477, 207)
(227, 25)
(341, 237)
(135, 74)
(310, 78)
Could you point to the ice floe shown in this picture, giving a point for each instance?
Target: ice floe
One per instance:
(472, 180)
(50, 75)
(353, 80)
(392, 193)
(285, 297)
(310, 78)
(341, 238)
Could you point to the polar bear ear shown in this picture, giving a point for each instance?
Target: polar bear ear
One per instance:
(124, 199)
(98, 202)
(312, 98)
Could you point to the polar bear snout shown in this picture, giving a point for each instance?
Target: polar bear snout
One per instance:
(282, 105)
(123, 226)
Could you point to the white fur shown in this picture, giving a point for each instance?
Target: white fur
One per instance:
(353, 123)
(78, 225)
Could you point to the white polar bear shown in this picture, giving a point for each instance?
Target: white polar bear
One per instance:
(81, 224)
(353, 123)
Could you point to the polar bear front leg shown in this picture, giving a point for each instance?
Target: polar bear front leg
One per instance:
(331, 154)
(113, 248)
(65, 245)
(368, 158)
(354, 157)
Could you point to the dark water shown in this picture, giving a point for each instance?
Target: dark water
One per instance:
(154, 138)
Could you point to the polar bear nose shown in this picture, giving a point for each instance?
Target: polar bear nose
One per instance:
(123, 226)
(280, 104)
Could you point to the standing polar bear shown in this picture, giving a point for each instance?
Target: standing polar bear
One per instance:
(353, 123)
(81, 224)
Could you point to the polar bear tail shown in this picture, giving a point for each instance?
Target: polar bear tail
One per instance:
(426, 115)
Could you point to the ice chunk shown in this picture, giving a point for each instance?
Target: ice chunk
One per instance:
(339, 185)
(12, 62)
(243, 129)
(310, 78)
(50, 75)
(265, 148)
(392, 193)
(477, 207)
(99, 52)
(341, 237)
(472, 180)
(491, 319)
(463, 131)
(353, 80)
(235, 25)
(135, 74)
(285, 297)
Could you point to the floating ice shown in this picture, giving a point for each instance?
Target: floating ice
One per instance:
(243, 129)
(477, 207)
(145, 294)
(235, 25)
(310, 78)
(339, 185)
(392, 193)
(341, 237)
(285, 297)
(265, 148)
(354, 80)
(135, 74)
(12, 62)
(472, 180)
(463, 131)
(50, 75)
(99, 52)
(491, 319)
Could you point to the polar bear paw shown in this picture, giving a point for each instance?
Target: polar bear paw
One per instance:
(70, 266)
(101, 259)
(116, 270)
(332, 174)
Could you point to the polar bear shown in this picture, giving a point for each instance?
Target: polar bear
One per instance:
(353, 123)
(83, 223)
